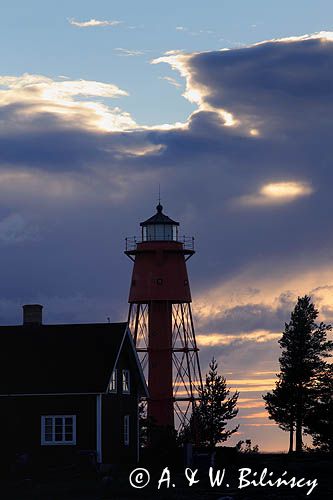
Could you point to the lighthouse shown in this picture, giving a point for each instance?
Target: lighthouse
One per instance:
(160, 319)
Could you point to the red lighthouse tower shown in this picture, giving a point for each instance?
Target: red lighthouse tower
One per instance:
(160, 319)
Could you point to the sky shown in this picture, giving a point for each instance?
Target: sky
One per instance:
(228, 107)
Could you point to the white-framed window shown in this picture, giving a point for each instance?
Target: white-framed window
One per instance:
(113, 381)
(126, 382)
(126, 430)
(58, 429)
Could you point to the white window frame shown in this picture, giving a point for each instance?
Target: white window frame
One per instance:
(63, 441)
(126, 430)
(113, 381)
(126, 381)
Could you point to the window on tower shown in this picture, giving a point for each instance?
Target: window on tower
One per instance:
(160, 232)
(126, 381)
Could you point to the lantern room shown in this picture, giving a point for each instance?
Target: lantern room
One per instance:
(159, 227)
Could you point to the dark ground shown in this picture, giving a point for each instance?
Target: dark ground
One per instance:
(70, 484)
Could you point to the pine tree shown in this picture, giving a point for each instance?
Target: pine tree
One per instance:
(304, 349)
(319, 419)
(215, 409)
(281, 408)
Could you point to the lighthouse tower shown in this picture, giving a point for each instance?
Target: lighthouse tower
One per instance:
(160, 319)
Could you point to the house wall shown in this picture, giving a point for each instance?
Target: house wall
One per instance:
(113, 448)
(20, 426)
(114, 408)
(20, 422)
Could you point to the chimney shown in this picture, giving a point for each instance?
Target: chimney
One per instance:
(32, 314)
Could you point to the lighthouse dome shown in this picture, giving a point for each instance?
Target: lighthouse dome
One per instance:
(159, 227)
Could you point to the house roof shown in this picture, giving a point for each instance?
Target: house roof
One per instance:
(60, 359)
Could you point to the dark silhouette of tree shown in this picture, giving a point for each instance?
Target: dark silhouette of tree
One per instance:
(304, 349)
(247, 447)
(319, 419)
(153, 436)
(282, 409)
(216, 408)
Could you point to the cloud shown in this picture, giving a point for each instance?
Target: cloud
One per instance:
(195, 33)
(276, 193)
(261, 414)
(214, 78)
(128, 52)
(265, 424)
(32, 87)
(219, 339)
(171, 80)
(247, 403)
(47, 87)
(92, 23)
(27, 98)
(284, 190)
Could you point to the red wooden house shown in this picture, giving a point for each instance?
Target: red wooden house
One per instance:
(68, 390)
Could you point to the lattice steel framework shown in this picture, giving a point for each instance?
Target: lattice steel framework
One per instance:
(186, 368)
